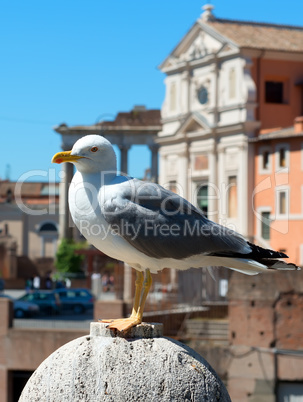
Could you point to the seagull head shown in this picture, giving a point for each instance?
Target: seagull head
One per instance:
(90, 154)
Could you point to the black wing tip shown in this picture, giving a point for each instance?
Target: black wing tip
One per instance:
(266, 252)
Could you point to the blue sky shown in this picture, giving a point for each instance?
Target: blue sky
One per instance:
(79, 62)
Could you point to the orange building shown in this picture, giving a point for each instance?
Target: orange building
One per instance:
(279, 84)
(278, 194)
(278, 168)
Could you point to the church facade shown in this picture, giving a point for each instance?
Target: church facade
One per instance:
(228, 83)
(208, 116)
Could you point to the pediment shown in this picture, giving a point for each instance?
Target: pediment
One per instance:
(194, 123)
(202, 46)
(198, 43)
(193, 126)
(227, 48)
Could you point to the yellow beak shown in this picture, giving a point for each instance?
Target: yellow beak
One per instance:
(65, 157)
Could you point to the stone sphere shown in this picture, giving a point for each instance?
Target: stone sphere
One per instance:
(140, 366)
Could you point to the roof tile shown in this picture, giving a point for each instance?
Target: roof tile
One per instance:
(260, 35)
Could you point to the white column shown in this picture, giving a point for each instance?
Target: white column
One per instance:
(124, 158)
(250, 188)
(154, 162)
(65, 231)
(162, 169)
(183, 173)
(213, 190)
(185, 90)
(222, 211)
(245, 181)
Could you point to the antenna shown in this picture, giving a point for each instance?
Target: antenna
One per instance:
(7, 172)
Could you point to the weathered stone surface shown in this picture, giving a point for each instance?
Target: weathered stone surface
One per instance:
(289, 322)
(251, 323)
(241, 390)
(290, 368)
(250, 364)
(265, 330)
(104, 367)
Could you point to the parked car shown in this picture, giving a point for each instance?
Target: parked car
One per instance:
(48, 301)
(22, 308)
(77, 300)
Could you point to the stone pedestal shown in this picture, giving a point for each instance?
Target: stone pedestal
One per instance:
(138, 366)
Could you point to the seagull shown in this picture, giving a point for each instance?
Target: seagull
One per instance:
(148, 226)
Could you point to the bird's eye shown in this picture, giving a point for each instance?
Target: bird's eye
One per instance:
(94, 149)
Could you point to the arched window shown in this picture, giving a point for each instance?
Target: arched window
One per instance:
(48, 227)
(202, 199)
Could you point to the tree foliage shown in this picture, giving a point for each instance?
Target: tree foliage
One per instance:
(67, 261)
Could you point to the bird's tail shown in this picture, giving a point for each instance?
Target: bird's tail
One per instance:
(258, 260)
(252, 267)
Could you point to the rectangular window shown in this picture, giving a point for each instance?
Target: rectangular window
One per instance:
(265, 225)
(202, 199)
(201, 162)
(274, 92)
(282, 202)
(232, 197)
(265, 160)
(282, 157)
(17, 380)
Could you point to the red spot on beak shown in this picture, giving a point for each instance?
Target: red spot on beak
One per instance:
(59, 161)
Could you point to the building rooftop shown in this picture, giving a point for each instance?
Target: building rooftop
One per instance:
(287, 132)
(256, 35)
(33, 192)
(248, 35)
(139, 117)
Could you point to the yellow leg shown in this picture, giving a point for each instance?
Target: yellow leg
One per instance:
(146, 287)
(142, 289)
(139, 285)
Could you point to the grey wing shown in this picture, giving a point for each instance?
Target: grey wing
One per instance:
(161, 224)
